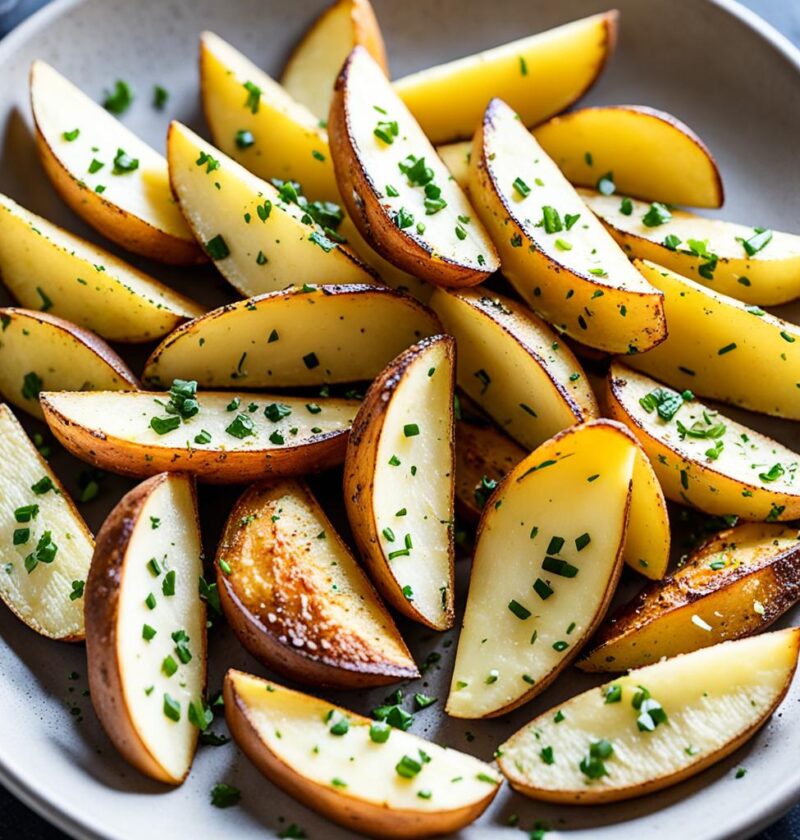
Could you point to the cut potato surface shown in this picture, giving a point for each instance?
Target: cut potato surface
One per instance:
(47, 268)
(39, 351)
(538, 76)
(655, 727)
(308, 336)
(753, 265)
(735, 584)
(514, 366)
(260, 238)
(257, 123)
(399, 478)
(146, 627)
(113, 180)
(233, 437)
(554, 251)
(396, 189)
(378, 781)
(648, 539)
(315, 62)
(298, 600)
(46, 546)
(703, 458)
(713, 338)
(558, 520)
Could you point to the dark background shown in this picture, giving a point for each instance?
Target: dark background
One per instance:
(21, 822)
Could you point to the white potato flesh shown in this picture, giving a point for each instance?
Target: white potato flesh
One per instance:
(48, 268)
(49, 598)
(747, 473)
(713, 698)
(713, 339)
(709, 251)
(413, 500)
(567, 501)
(287, 139)
(586, 286)
(268, 246)
(125, 417)
(514, 366)
(175, 544)
(295, 729)
(327, 334)
(38, 352)
(453, 233)
(59, 107)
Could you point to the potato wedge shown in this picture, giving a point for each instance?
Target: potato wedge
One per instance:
(234, 437)
(654, 727)
(558, 520)
(113, 180)
(514, 366)
(703, 458)
(253, 120)
(377, 781)
(315, 62)
(713, 338)
(296, 598)
(146, 627)
(648, 540)
(45, 267)
(306, 336)
(259, 239)
(397, 191)
(39, 351)
(709, 251)
(538, 76)
(648, 153)
(554, 251)
(47, 547)
(399, 478)
(736, 584)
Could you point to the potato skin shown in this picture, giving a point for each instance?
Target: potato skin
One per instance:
(358, 483)
(362, 817)
(360, 197)
(101, 610)
(340, 667)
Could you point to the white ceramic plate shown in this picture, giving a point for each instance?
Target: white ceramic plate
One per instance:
(711, 63)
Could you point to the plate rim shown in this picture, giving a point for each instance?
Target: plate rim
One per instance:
(57, 815)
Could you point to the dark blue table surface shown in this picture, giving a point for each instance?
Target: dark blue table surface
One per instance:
(21, 822)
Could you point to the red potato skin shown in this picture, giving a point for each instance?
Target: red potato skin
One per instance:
(101, 611)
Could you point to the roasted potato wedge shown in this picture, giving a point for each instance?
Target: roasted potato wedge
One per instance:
(47, 268)
(399, 479)
(298, 600)
(113, 180)
(642, 151)
(514, 366)
(375, 780)
(46, 546)
(554, 251)
(397, 191)
(654, 727)
(711, 252)
(703, 458)
(306, 336)
(736, 584)
(146, 628)
(648, 540)
(558, 520)
(713, 338)
(315, 62)
(260, 238)
(538, 76)
(39, 351)
(232, 438)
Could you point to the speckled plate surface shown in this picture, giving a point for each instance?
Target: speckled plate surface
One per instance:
(716, 66)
